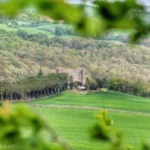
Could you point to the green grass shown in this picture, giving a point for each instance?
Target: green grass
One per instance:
(29, 30)
(4, 26)
(36, 30)
(110, 100)
(39, 29)
(70, 127)
(47, 26)
(74, 125)
(69, 36)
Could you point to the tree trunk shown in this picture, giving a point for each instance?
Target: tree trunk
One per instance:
(44, 92)
(47, 91)
(2, 98)
(10, 95)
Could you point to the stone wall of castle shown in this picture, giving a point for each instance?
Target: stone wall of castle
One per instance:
(78, 74)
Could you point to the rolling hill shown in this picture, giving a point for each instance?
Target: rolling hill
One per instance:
(31, 42)
(130, 114)
(22, 55)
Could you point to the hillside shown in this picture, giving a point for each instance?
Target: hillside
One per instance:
(72, 117)
(113, 101)
(30, 43)
(23, 56)
(32, 23)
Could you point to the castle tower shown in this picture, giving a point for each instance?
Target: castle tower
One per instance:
(81, 75)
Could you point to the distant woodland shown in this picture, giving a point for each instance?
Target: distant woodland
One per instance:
(30, 43)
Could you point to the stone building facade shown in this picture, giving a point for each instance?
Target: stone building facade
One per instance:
(78, 74)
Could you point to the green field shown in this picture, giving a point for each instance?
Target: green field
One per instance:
(110, 100)
(73, 125)
(39, 29)
(49, 29)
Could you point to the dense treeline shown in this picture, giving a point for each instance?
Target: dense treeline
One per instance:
(139, 88)
(76, 43)
(34, 87)
(23, 54)
(21, 58)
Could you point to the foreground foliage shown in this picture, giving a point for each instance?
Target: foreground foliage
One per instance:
(23, 129)
(106, 15)
(104, 131)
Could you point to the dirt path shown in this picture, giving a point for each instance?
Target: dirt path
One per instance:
(90, 108)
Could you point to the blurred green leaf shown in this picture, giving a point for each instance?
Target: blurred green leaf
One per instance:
(24, 129)
(107, 15)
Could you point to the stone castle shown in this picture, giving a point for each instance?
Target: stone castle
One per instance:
(78, 74)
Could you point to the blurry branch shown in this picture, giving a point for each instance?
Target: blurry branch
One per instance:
(104, 131)
(23, 129)
(107, 15)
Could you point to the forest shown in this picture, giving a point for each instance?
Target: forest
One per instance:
(34, 87)
(23, 54)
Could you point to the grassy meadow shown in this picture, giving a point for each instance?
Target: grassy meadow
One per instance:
(39, 29)
(113, 100)
(74, 125)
